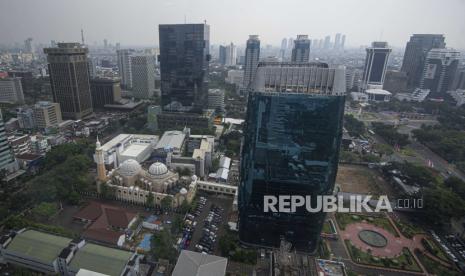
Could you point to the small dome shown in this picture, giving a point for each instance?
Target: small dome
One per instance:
(194, 177)
(129, 167)
(158, 168)
(183, 191)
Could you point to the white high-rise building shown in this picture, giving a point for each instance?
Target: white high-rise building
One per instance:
(124, 67)
(231, 55)
(376, 64)
(143, 76)
(216, 99)
(252, 55)
(11, 91)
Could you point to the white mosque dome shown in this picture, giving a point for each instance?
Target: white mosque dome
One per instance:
(183, 191)
(157, 169)
(129, 167)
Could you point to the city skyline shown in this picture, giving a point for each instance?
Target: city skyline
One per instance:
(141, 19)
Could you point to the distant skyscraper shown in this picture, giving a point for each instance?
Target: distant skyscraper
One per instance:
(314, 44)
(343, 41)
(327, 44)
(301, 50)
(282, 50)
(69, 79)
(28, 46)
(291, 147)
(105, 43)
(184, 59)
(290, 44)
(252, 55)
(321, 44)
(375, 64)
(124, 67)
(440, 70)
(231, 55)
(415, 55)
(143, 76)
(337, 41)
(222, 55)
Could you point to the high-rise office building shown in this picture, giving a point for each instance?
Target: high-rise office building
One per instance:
(337, 41)
(11, 91)
(440, 70)
(105, 91)
(375, 64)
(291, 144)
(252, 55)
(124, 67)
(343, 41)
(46, 114)
(415, 55)
(28, 46)
(301, 50)
(222, 55)
(69, 79)
(184, 59)
(327, 43)
(231, 55)
(143, 76)
(7, 159)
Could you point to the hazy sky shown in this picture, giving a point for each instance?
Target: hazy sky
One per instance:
(135, 22)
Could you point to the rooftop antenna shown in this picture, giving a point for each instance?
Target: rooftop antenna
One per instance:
(82, 36)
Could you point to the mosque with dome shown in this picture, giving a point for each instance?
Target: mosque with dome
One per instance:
(132, 183)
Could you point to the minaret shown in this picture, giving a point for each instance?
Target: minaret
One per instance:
(99, 159)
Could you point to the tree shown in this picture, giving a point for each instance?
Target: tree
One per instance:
(150, 200)
(355, 127)
(162, 245)
(383, 149)
(45, 210)
(456, 185)
(166, 202)
(440, 205)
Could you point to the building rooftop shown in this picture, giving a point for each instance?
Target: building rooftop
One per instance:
(100, 259)
(378, 92)
(41, 246)
(171, 139)
(134, 150)
(193, 263)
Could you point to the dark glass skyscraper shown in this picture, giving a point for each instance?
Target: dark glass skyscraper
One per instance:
(415, 55)
(291, 147)
(252, 55)
(301, 50)
(184, 58)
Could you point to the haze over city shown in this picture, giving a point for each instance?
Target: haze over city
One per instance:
(135, 22)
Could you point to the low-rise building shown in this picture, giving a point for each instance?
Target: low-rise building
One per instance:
(20, 144)
(458, 96)
(216, 99)
(104, 91)
(193, 263)
(47, 114)
(56, 255)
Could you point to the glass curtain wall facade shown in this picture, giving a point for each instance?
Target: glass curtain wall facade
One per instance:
(291, 147)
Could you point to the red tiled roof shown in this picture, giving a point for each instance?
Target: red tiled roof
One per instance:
(91, 212)
(103, 218)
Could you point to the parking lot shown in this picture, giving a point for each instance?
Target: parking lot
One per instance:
(205, 224)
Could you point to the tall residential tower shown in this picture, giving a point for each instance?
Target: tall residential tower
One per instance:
(301, 50)
(252, 55)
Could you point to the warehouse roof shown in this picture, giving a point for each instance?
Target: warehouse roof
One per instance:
(193, 263)
(41, 246)
(101, 259)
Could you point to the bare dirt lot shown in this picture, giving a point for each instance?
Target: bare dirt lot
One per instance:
(362, 180)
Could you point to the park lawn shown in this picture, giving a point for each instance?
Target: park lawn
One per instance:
(344, 219)
(404, 261)
(434, 267)
(327, 229)
(439, 251)
(407, 229)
